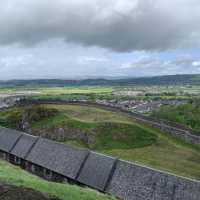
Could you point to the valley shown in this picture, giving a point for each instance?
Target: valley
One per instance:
(108, 119)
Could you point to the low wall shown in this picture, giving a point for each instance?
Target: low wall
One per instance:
(173, 131)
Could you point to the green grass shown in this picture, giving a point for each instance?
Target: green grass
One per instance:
(60, 90)
(16, 176)
(111, 134)
(188, 114)
(92, 114)
(121, 136)
(167, 154)
(75, 90)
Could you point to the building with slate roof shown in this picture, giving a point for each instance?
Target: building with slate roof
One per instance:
(8, 139)
(63, 159)
(26, 142)
(22, 148)
(96, 171)
(125, 180)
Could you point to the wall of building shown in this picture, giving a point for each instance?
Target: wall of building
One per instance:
(135, 182)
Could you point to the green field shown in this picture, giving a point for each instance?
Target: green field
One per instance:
(14, 175)
(119, 93)
(59, 90)
(116, 134)
(58, 93)
(75, 90)
(91, 93)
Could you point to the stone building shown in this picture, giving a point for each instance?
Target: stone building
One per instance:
(64, 163)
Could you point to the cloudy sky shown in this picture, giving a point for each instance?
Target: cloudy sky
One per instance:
(86, 38)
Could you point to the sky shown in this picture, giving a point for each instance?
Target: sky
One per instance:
(98, 38)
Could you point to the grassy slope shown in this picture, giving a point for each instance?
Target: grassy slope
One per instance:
(113, 131)
(166, 153)
(127, 139)
(16, 176)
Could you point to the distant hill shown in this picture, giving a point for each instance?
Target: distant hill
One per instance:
(157, 80)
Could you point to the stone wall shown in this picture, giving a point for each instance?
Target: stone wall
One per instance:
(135, 182)
(185, 135)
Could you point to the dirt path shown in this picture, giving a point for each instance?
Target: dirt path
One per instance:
(8, 192)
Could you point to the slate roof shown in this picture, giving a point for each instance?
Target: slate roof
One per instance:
(8, 139)
(134, 182)
(24, 145)
(63, 159)
(96, 170)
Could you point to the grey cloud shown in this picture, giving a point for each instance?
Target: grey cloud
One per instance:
(119, 25)
(148, 61)
(147, 65)
(53, 59)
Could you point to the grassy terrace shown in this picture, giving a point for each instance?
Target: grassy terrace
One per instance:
(16, 176)
(117, 134)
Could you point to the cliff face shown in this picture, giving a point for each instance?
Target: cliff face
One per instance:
(8, 192)
(63, 133)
